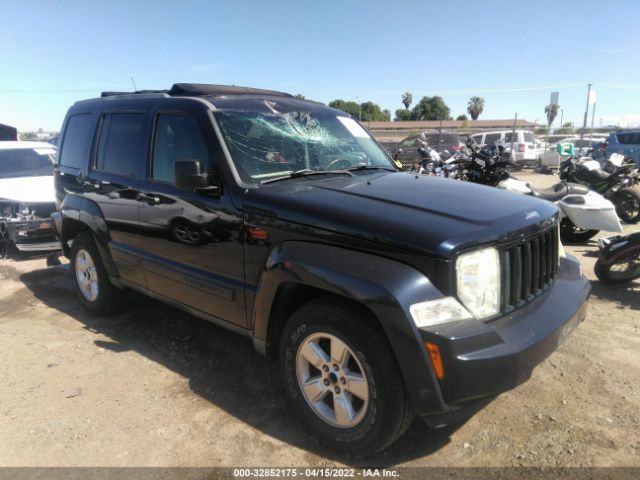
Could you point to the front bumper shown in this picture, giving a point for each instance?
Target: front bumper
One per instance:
(483, 359)
(31, 235)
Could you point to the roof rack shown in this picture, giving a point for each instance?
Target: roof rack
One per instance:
(199, 89)
(191, 89)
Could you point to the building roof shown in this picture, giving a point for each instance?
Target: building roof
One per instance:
(430, 124)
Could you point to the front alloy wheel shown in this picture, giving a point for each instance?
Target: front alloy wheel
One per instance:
(332, 380)
(341, 377)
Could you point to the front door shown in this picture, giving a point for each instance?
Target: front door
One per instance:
(193, 251)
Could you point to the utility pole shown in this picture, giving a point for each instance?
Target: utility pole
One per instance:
(586, 114)
(593, 116)
(513, 136)
(561, 115)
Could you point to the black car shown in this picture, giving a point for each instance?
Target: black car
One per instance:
(382, 294)
(406, 151)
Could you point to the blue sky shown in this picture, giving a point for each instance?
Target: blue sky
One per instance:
(512, 53)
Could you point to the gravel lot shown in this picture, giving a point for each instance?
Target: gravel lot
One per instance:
(155, 387)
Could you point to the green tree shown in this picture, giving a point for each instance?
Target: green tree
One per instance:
(373, 113)
(475, 107)
(407, 99)
(299, 96)
(567, 128)
(367, 111)
(462, 117)
(404, 115)
(431, 108)
(552, 112)
(541, 130)
(352, 108)
(27, 136)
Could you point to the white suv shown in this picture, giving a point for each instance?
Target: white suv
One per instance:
(524, 143)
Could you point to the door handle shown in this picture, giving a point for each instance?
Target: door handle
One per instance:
(149, 198)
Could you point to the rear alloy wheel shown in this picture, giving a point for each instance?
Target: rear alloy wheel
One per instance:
(569, 232)
(627, 202)
(90, 278)
(342, 378)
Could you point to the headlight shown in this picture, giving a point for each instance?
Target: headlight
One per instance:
(435, 312)
(478, 281)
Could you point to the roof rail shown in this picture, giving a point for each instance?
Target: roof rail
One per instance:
(137, 92)
(195, 89)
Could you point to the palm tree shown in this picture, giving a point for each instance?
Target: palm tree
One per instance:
(552, 113)
(407, 98)
(475, 107)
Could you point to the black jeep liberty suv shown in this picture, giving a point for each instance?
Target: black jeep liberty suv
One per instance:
(382, 294)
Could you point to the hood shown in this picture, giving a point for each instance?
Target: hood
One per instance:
(431, 214)
(28, 189)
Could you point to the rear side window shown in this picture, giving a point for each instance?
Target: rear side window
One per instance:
(120, 142)
(176, 138)
(76, 140)
(477, 139)
(491, 138)
(507, 137)
(528, 137)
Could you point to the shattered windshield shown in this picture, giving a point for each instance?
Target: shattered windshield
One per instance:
(26, 162)
(270, 145)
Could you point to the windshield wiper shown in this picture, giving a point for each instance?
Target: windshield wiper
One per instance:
(371, 167)
(306, 173)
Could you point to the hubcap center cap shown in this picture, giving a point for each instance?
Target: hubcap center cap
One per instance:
(333, 378)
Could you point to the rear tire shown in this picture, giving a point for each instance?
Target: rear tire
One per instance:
(570, 233)
(90, 278)
(627, 202)
(358, 405)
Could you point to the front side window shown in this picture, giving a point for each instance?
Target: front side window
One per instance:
(26, 162)
(119, 143)
(267, 145)
(176, 138)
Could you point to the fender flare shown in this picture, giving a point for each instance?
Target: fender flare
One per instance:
(384, 286)
(88, 213)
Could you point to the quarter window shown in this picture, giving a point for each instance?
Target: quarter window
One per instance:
(119, 143)
(176, 138)
(76, 140)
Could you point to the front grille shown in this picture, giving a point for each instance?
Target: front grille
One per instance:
(528, 268)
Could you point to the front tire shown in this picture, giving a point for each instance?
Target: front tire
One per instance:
(342, 379)
(627, 203)
(621, 271)
(90, 278)
(569, 232)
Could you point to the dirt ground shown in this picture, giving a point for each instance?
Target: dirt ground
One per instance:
(156, 387)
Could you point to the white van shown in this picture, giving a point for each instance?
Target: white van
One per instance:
(524, 143)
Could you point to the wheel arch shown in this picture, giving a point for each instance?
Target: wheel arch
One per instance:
(78, 214)
(297, 272)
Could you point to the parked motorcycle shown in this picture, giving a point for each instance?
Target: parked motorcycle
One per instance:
(583, 213)
(619, 259)
(615, 180)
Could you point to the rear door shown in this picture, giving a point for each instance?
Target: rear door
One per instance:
(113, 183)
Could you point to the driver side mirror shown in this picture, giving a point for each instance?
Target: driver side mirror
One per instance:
(189, 176)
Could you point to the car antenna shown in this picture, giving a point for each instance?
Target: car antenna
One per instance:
(135, 89)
